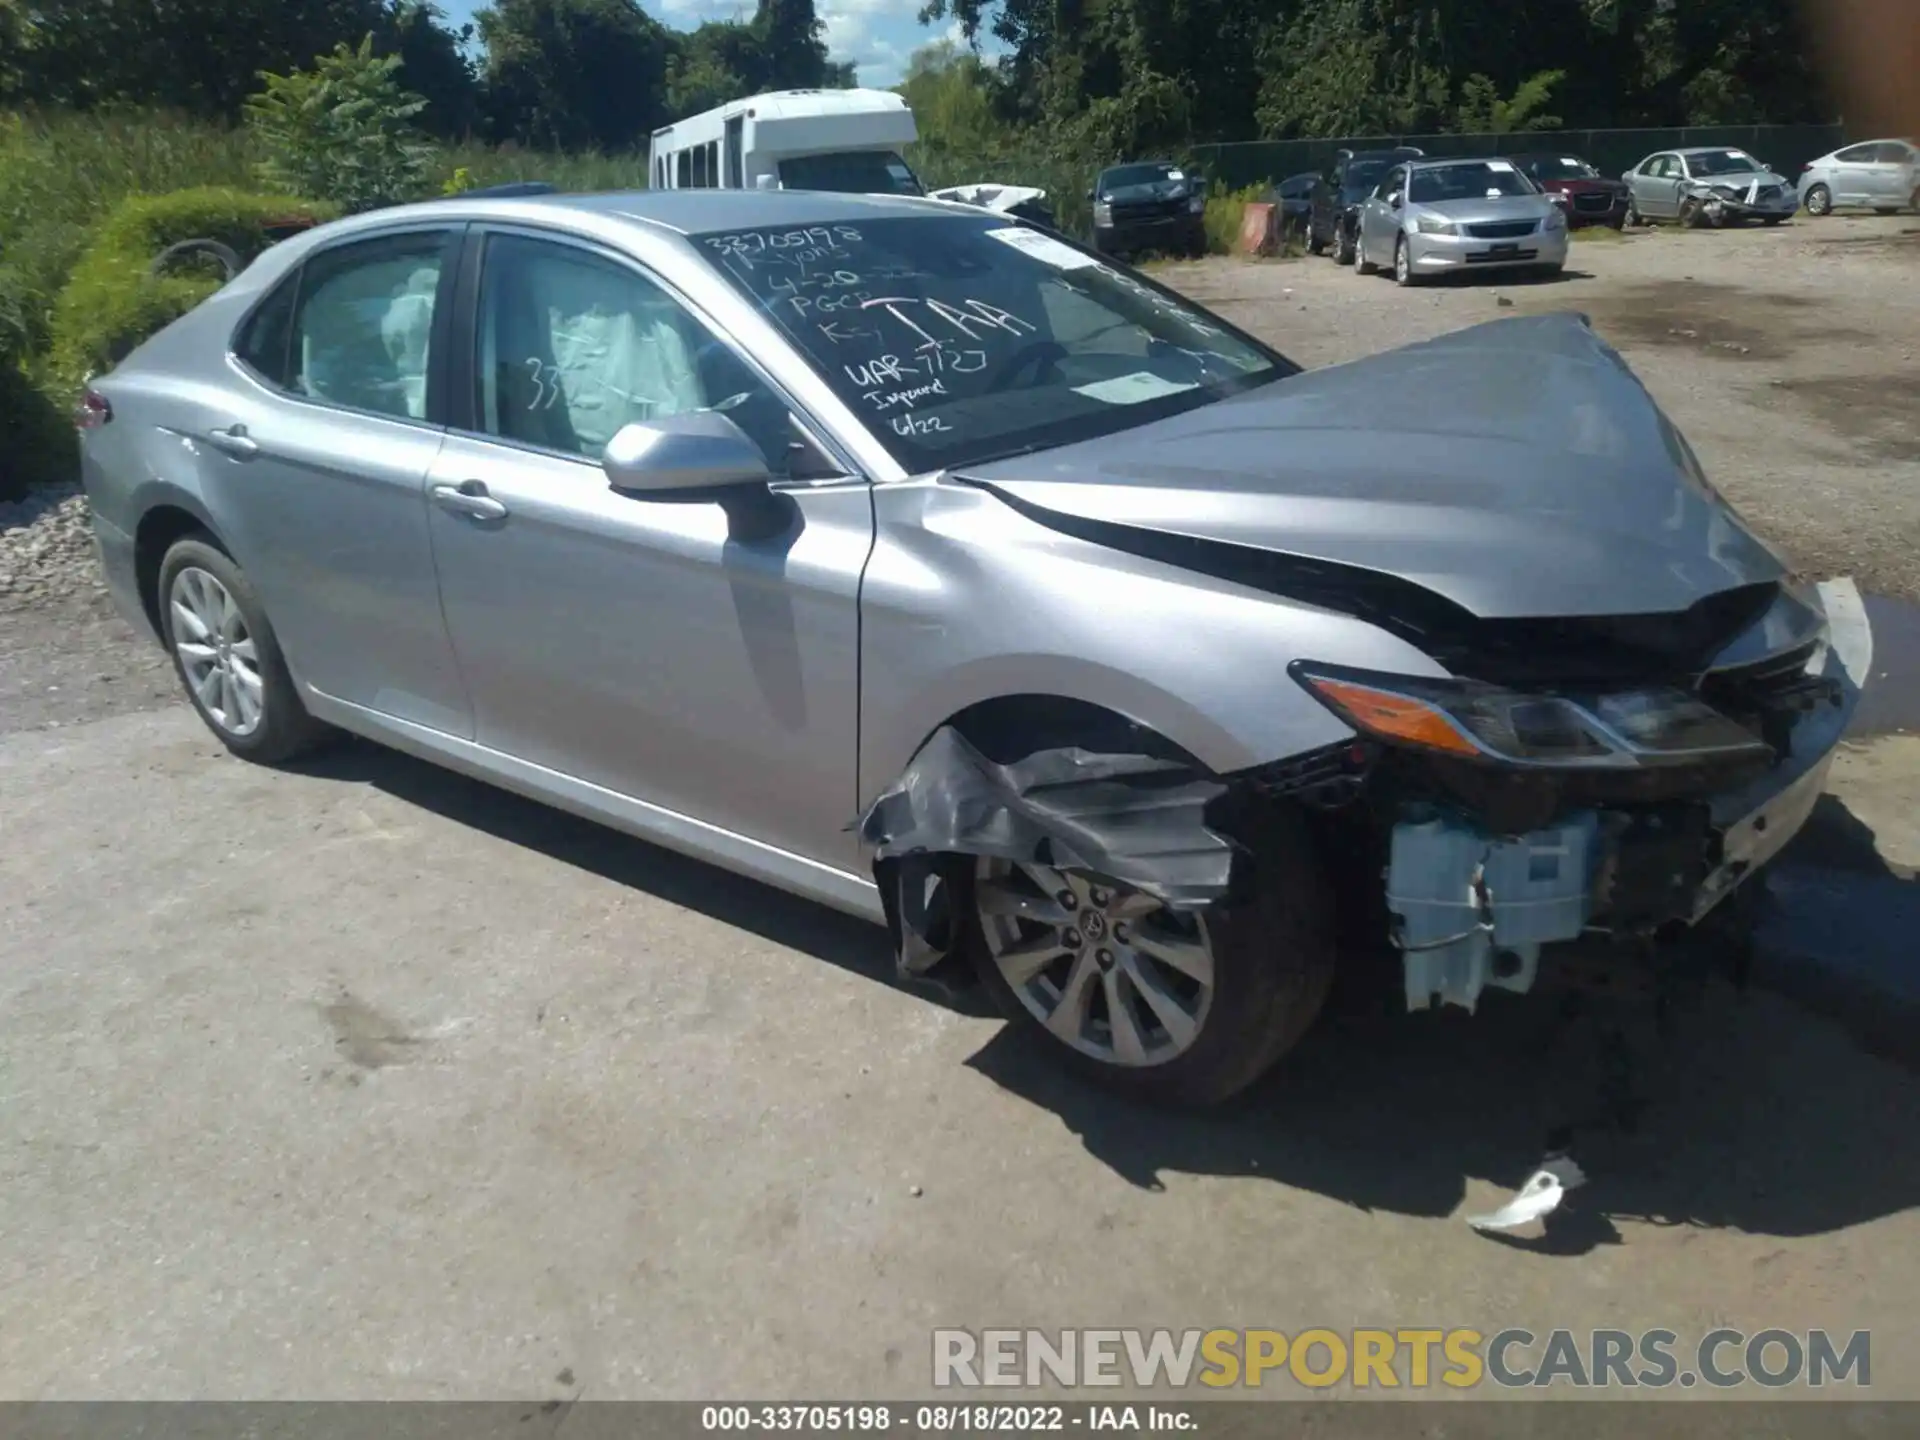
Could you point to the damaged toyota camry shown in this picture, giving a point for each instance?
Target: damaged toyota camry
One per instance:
(925, 564)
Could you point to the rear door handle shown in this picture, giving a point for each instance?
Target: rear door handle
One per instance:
(234, 441)
(469, 498)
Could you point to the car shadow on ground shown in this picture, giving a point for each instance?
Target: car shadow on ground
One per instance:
(736, 900)
(1760, 1118)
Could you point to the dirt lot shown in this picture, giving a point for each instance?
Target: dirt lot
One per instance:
(370, 1082)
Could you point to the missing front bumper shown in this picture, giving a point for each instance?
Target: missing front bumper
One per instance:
(1471, 908)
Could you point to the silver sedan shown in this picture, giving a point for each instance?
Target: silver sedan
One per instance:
(1434, 217)
(925, 564)
(1881, 174)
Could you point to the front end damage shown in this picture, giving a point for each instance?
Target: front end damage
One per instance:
(1560, 811)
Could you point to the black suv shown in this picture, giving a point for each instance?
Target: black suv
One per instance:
(1349, 180)
(1149, 205)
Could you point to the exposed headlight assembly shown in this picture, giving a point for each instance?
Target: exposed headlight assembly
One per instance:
(1197, 205)
(1102, 213)
(1472, 721)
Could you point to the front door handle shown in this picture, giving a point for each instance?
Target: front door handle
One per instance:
(469, 498)
(234, 441)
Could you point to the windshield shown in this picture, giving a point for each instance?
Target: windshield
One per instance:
(1722, 162)
(957, 339)
(851, 172)
(1468, 180)
(1363, 175)
(1151, 173)
(1562, 167)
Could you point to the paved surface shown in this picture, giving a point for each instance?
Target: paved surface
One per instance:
(367, 1081)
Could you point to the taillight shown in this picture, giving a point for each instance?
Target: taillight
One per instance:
(93, 411)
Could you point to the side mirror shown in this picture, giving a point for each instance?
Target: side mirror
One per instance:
(683, 457)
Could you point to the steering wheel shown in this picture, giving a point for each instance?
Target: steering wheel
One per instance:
(1042, 355)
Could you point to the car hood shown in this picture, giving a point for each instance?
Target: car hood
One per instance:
(1745, 179)
(1517, 468)
(1487, 208)
(1136, 194)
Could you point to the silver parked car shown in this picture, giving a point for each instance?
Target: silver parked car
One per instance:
(1710, 185)
(922, 563)
(1432, 217)
(1881, 174)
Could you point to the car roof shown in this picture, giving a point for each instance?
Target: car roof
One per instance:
(1436, 162)
(684, 212)
(1707, 150)
(1135, 164)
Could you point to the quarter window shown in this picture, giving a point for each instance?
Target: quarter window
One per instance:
(263, 345)
(574, 347)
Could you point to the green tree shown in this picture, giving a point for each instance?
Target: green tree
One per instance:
(1481, 111)
(434, 66)
(795, 55)
(574, 74)
(342, 131)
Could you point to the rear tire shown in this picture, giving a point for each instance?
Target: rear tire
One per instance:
(1346, 246)
(1772, 219)
(1315, 245)
(227, 657)
(1272, 964)
(1886, 209)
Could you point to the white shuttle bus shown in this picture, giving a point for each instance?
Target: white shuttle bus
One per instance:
(844, 140)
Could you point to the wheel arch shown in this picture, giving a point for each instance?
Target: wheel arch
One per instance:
(170, 516)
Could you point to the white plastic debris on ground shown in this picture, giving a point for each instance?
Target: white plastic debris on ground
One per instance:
(1536, 1199)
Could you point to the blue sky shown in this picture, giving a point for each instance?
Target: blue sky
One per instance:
(877, 35)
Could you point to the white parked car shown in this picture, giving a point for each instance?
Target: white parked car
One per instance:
(1884, 174)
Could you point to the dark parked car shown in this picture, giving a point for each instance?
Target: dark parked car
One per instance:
(1149, 205)
(1293, 198)
(1348, 181)
(1588, 197)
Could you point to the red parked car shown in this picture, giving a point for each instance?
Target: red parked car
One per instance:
(1588, 196)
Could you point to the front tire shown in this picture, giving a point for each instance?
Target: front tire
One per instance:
(227, 657)
(1186, 1007)
(1819, 201)
(1403, 273)
(1361, 264)
(1692, 214)
(1315, 245)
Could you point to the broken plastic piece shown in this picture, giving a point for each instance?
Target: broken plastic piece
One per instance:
(1135, 819)
(1536, 1199)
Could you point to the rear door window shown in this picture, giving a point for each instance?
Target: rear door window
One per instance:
(363, 327)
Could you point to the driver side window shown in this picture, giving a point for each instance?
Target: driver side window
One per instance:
(572, 347)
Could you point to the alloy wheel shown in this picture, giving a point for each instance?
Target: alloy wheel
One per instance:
(1402, 264)
(217, 654)
(1819, 200)
(1109, 971)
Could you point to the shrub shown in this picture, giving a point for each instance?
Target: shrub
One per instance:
(1225, 211)
(113, 301)
(342, 130)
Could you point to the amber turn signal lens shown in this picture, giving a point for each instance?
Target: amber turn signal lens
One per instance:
(1394, 717)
